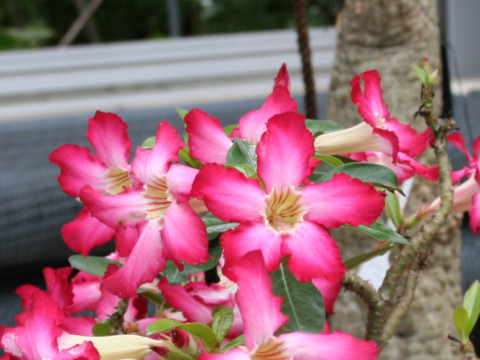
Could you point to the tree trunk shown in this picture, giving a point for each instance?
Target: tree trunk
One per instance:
(391, 36)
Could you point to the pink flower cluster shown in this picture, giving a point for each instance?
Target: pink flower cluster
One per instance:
(153, 207)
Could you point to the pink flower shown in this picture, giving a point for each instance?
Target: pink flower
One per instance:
(262, 316)
(168, 227)
(282, 218)
(209, 143)
(109, 172)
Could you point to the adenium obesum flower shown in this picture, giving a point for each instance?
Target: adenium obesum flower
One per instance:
(262, 317)
(467, 194)
(159, 209)
(208, 142)
(282, 214)
(108, 172)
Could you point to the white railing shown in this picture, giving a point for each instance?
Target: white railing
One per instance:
(154, 73)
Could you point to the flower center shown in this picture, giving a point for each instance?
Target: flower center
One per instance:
(117, 179)
(156, 196)
(284, 210)
(272, 350)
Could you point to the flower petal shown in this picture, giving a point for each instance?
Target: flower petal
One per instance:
(248, 237)
(474, 213)
(409, 141)
(329, 290)
(458, 141)
(150, 164)
(179, 181)
(184, 235)
(78, 167)
(85, 232)
(284, 151)
(260, 308)
(143, 264)
(207, 141)
(313, 253)
(125, 209)
(108, 135)
(234, 354)
(342, 200)
(125, 239)
(228, 194)
(335, 346)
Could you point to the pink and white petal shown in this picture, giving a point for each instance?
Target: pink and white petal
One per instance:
(106, 305)
(142, 266)
(234, 354)
(389, 143)
(253, 124)
(427, 172)
(212, 294)
(474, 213)
(313, 253)
(284, 151)
(107, 133)
(179, 181)
(180, 299)
(184, 235)
(207, 141)
(282, 78)
(78, 167)
(458, 175)
(249, 237)
(369, 100)
(124, 209)
(335, 346)
(148, 165)
(260, 308)
(85, 232)
(86, 296)
(79, 325)
(457, 140)
(228, 194)
(83, 351)
(410, 142)
(58, 286)
(329, 290)
(342, 200)
(125, 239)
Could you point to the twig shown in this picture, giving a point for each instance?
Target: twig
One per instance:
(78, 25)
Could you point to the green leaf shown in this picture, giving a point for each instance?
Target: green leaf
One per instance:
(460, 317)
(187, 159)
(101, 328)
(216, 226)
(420, 73)
(360, 259)
(332, 160)
(242, 153)
(393, 209)
(238, 341)
(162, 325)
(318, 127)
(377, 175)
(471, 303)
(182, 112)
(228, 129)
(201, 332)
(221, 323)
(302, 302)
(156, 298)
(93, 265)
(149, 142)
(245, 169)
(320, 171)
(380, 232)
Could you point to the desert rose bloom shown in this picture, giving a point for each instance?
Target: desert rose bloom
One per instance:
(209, 143)
(467, 194)
(282, 218)
(108, 172)
(168, 227)
(262, 317)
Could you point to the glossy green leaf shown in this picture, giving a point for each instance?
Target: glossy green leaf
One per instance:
(201, 332)
(320, 171)
(302, 302)
(393, 209)
(101, 329)
(332, 160)
(162, 325)
(238, 341)
(460, 317)
(380, 232)
(93, 265)
(375, 174)
(222, 322)
(228, 129)
(216, 226)
(360, 259)
(242, 153)
(245, 169)
(149, 142)
(187, 159)
(182, 112)
(318, 127)
(471, 303)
